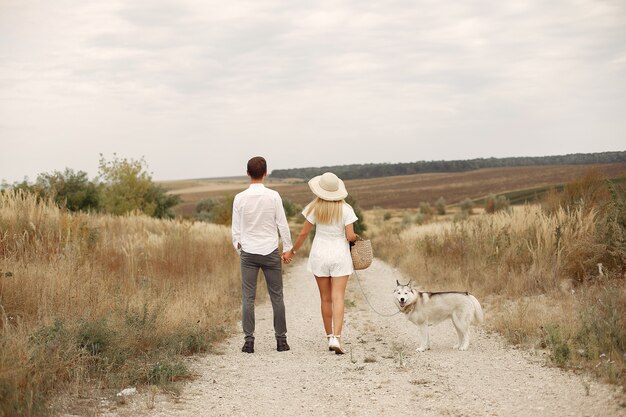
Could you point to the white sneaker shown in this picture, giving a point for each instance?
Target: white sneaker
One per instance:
(335, 345)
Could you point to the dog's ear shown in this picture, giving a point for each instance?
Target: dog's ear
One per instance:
(409, 284)
(397, 283)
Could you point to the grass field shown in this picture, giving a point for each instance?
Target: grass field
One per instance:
(97, 301)
(522, 183)
(90, 300)
(550, 276)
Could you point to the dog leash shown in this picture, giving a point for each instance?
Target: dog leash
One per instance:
(368, 301)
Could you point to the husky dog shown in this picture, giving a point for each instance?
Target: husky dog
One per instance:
(424, 308)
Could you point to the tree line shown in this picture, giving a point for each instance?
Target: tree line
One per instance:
(357, 171)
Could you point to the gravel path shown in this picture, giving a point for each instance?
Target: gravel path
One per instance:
(381, 375)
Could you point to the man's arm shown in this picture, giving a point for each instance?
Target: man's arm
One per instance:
(283, 225)
(236, 225)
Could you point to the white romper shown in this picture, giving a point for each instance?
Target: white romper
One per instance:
(330, 252)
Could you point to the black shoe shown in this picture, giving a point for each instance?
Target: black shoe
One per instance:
(248, 346)
(281, 345)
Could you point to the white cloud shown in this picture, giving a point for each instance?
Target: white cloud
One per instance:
(372, 81)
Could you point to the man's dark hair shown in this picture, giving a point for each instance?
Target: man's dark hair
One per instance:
(257, 167)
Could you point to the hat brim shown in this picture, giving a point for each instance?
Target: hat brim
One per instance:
(340, 194)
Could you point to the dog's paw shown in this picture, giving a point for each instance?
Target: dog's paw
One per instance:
(462, 348)
(421, 349)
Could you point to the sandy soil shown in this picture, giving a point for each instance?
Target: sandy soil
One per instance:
(381, 375)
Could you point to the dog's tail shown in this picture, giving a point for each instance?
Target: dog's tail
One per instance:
(478, 310)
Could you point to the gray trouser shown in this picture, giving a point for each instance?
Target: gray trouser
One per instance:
(272, 270)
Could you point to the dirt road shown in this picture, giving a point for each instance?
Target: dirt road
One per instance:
(382, 375)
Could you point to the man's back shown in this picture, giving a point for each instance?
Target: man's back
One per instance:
(257, 216)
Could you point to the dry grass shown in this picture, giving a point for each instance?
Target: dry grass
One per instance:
(536, 273)
(115, 300)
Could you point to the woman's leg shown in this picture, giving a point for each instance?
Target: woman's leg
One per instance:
(338, 291)
(324, 285)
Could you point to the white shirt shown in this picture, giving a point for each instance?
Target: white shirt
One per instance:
(258, 217)
(333, 230)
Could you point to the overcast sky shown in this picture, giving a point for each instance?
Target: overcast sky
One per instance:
(198, 87)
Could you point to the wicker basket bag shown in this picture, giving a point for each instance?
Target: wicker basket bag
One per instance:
(362, 254)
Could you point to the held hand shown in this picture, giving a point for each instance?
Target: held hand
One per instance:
(285, 257)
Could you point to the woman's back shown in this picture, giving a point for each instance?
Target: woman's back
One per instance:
(334, 230)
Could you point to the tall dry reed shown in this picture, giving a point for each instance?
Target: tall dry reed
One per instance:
(113, 299)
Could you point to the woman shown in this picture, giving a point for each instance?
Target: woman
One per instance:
(329, 259)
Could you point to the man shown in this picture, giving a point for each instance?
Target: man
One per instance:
(258, 217)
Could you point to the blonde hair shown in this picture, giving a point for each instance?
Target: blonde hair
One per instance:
(326, 212)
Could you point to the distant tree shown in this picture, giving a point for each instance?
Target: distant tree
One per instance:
(127, 186)
(70, 189)
(385, 169)
(165, 202)
(25, 185)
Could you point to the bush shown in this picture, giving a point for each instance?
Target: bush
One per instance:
(70, 189)
(407, 221)
(588, 192)
(467, 205)
(223, 212)
(461, 215)
(595, 194)
(204, 209)
(495, 203)
(440, 206)
(128, 187)
(164, 203)
(359, 225)
(425, 208)
(163, 373)
(559, 349)
(95, 336)
(291, 208)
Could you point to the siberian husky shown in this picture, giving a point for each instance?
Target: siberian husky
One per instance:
(424, 308)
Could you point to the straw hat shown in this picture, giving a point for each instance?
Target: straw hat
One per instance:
(328, 187)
